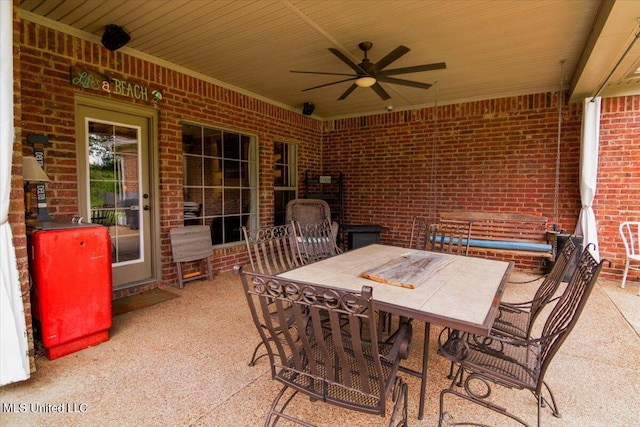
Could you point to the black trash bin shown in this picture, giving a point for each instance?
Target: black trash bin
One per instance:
(562, 240)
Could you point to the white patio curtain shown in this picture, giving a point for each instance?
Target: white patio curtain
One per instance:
(14, 359)
(587, 226)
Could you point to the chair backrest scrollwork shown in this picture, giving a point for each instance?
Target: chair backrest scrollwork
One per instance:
(272, 250)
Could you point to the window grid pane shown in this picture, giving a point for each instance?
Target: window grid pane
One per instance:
(218, 170)
(285, 182)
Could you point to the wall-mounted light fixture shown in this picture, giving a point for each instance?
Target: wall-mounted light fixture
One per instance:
(31, 173)
(114, 37)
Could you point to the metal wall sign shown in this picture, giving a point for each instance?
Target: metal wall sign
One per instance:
(101, 82)
(39, 141)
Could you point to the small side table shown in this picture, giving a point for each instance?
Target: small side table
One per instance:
(363, 234)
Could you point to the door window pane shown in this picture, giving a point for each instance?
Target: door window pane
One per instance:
(114, 183)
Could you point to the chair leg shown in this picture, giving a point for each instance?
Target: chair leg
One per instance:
(624, 276)
(384, 323)
(179, 268)
(552, 403)
(455, 333)
(479, 399)
(400, 398)
(209, 271)
(450, 376)
(254, 359)
(279, 413)
(453, 377)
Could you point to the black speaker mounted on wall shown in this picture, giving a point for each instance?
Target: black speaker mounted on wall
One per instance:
(114, 37)
(307, 108)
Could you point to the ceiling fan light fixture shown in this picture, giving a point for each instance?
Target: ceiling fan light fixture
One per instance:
(366, 81)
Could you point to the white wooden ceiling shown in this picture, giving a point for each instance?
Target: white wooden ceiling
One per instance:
(492, 48)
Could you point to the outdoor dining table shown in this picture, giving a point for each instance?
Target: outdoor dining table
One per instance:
(449, 290)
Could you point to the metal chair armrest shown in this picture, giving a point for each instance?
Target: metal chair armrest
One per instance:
(516, 307)
(401, 344)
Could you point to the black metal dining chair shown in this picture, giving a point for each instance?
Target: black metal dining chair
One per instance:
(321, 356)
(271, 250)
(316, 241)
(516, 319)
(521, 364)
(440, 236)
(437, 236)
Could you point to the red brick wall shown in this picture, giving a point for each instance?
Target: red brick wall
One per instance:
(618, 189)
(493, 155)
(47, 103)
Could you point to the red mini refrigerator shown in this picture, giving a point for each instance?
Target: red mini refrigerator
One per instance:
(70, 267)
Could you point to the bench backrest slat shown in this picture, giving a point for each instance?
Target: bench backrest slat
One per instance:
(502, 226)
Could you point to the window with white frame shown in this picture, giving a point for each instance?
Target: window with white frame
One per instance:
(220, 181)
(285, 178)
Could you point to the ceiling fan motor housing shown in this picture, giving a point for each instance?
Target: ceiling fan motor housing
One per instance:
(365, 46)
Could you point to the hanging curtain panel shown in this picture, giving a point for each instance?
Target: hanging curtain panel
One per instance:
(587, 226)
(14, 357)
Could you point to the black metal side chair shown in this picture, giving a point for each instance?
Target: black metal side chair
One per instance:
(418, 236)
(516, 363)
(516, 319)
(319, 355)
(271, 250)
(316, 241)
(440, 236)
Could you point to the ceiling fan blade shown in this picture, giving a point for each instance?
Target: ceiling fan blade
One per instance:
(355, 67)
(347, 92)
(414, 69)
(322, 73)
(329, 84)
(391, 56)
(380, 91)
(403, 82)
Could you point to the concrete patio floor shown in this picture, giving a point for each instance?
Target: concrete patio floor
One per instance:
(184, 363)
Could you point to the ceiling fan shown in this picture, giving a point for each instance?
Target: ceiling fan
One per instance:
(368, 74)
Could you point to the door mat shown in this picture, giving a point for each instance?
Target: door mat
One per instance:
(141, 300)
